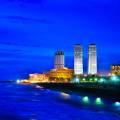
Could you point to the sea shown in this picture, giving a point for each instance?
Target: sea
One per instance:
(33, 102)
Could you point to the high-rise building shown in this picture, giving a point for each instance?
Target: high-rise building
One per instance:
(59, 59)
(78, 59)
(92, 62)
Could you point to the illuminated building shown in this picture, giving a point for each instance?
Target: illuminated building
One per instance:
(115, 69)
(61, 75)
(92, 62)
(59, 59)
(78, 60)
(37, 78)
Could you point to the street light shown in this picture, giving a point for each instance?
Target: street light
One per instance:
(117, 104)
(84, 79)
(114, 78)
(85, 100)
(102, 80)
(76, 80)
(95, 79)
(98, 101)
(18, 81)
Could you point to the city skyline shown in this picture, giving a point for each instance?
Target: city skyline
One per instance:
(30, 32)
(70, 64)
(78, 60)
(59, 59)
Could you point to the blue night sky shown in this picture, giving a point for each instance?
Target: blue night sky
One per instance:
(32, 30)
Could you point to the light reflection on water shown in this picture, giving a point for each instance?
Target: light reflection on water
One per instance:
(65, 95)
(26, 102)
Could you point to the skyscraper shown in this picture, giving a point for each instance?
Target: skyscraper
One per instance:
(78, 59)
(92, 62)
(59, 59)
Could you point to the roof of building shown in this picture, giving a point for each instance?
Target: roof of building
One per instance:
(59, 53)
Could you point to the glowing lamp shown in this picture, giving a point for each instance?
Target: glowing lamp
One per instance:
(91, 79)
(77, 80)
(114, 78)
(84, 79)
(96, 79)
(102, 80)
(18, 81)
(98, 101)
(117, 103)
(85, 99)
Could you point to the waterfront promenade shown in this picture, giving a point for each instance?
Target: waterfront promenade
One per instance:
(110, 91)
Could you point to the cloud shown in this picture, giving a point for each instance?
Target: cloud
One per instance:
(24, 51)
(21, 19)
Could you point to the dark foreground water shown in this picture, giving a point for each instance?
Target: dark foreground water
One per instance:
(28, 102)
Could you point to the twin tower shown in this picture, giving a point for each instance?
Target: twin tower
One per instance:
(78, 60)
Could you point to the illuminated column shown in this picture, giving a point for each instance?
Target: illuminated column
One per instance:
(78, 60)
(59, 59)
(92, 62)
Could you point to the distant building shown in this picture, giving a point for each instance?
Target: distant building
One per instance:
(78, 60)
(92, 62)
(115, 69)
(60, 75)
(59, 59)
(38, 78)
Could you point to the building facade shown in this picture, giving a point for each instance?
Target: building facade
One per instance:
(92, 60)
(115, 69)
(59, 60)
(61, 75)
(78, 60)
(38, 78)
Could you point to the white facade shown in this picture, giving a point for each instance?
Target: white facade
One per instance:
(78, 60)
(92, 62)
(59, 59)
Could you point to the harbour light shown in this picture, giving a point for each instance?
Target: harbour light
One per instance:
(98, 101)
(95, 79)
(117, 104)
(18, 81)
(84, 79)
(77, 80)
(85, 100)
(114, 78)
